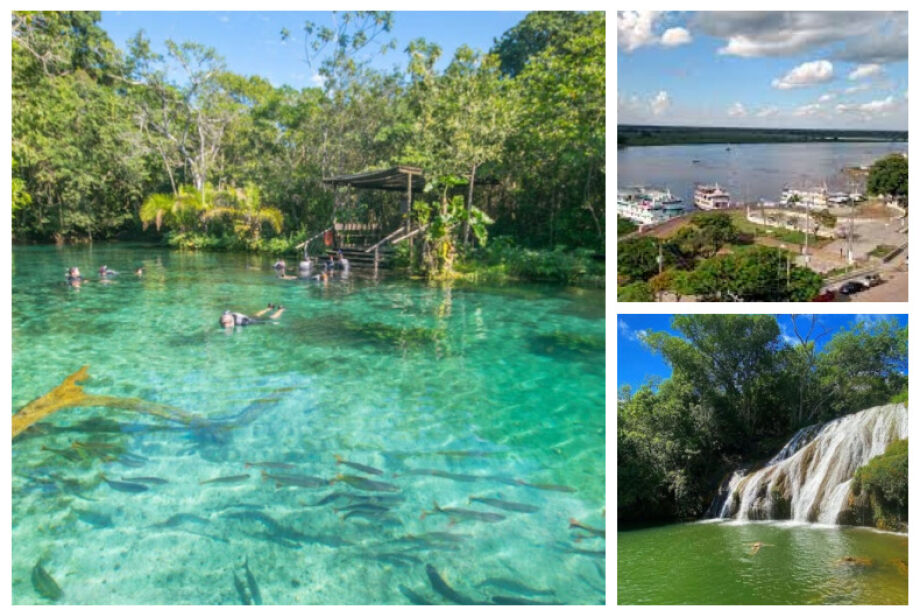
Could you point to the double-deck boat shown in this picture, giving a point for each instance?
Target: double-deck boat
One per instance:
(648, 206)
(711, 197)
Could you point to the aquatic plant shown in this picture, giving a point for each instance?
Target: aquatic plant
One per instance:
(69, 394)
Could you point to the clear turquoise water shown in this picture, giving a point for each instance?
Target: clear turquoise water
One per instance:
(393, 374)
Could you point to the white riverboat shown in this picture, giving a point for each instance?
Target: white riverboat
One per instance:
(711, 197)
(648, 206)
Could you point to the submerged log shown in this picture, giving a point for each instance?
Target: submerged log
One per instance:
(69, 394)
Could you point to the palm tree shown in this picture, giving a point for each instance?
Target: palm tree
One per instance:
(182, 209)
(243, 206)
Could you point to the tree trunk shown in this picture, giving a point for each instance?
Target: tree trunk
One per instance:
(469, 204)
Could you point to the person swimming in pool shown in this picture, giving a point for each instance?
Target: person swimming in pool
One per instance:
(105, 272)
(229, 320)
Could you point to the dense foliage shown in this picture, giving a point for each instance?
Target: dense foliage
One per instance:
(738, 390)
(888, 176)
(692, 262)
(878, 495)
(109, 141)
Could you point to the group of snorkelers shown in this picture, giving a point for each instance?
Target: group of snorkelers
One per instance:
(75, 278)
(230, 319)
(305, 271)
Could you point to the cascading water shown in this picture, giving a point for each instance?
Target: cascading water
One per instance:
(809, 479)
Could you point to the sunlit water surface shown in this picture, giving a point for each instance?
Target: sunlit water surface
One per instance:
(716, 563)
(497, 385)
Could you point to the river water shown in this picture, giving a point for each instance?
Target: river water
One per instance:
(451, 393)
(749, 171)
(715, 563)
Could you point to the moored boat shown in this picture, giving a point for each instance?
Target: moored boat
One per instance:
(711, 197)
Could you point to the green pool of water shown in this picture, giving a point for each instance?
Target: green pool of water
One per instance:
(489, 385)
(715, 563)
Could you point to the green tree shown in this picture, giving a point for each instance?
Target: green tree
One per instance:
(637, 258)
(244, 208)
(888, 176)
(635, 291)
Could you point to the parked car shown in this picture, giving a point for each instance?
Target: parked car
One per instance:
(873, 279)
(852, 287)
(827, 295)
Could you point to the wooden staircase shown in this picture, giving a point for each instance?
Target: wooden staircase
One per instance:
(359, 258)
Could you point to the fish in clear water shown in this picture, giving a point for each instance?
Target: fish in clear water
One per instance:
(153, 480)
(131, 460)
(576, 524)
(297, 480)
(465, 478)
(251, 582)
(67, 453)
(271, 465)
(241, 590)
(517, 600)
(330, 498)
(93, 518)
(122, 486)
(366, 484)
(95, 446)
(358, 466)
(373, 515)
(441, 586)
(413, 597)
(463, 513)
(505, 504)
(180, 518)
(515, 586)
(547, 486)
(365, 507)
(238, 478)
(44, 584)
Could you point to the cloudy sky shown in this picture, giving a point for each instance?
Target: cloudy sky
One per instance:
(770, 69)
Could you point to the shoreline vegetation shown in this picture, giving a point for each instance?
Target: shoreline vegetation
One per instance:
(633, 135)
(179, 149)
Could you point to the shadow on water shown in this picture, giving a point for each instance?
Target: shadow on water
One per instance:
(566, 345)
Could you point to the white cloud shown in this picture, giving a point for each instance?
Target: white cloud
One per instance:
(768, 111)
(867, 37)
(634, 29)
(865, 70)
(317, 80)
(878, 106)
(660, 103)
(826, 97)
(629, 333)
(875, 107)
(807, 74)
(862, 87)
(804, 110)
(737, 110)
(673, 37)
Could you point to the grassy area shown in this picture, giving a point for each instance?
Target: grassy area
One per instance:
(780, 234)
(883, 250)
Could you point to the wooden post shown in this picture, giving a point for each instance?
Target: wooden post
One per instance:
(376, 259)
(409, 219)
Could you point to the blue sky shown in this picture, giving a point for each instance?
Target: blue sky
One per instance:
(251, 44)
(636, 363)
(771, 69)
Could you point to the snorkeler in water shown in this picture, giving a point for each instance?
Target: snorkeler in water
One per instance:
(105, 272)
(229, 320)
(73, 276)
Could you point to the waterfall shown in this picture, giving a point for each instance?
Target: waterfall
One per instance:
(809, 479)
